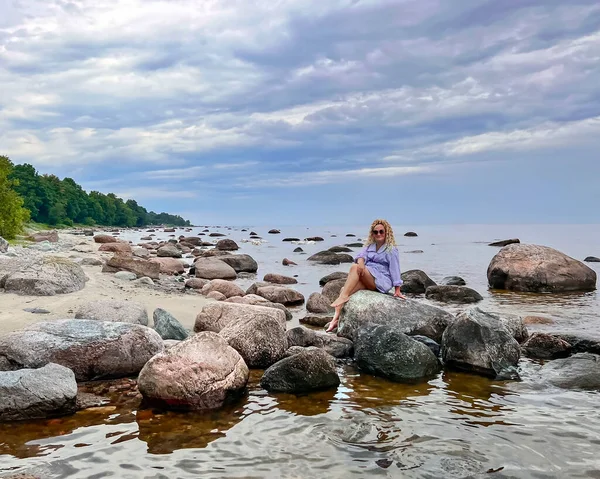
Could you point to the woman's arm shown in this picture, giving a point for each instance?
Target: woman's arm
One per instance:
(395, 274)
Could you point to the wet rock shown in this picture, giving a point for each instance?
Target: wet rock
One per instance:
(27, 394)
(505, 242)
(453, 281)
(545, 346)
(416, 281)
(334, 345)
(279, 279)
(298, 250)
(193, 240)
(513, 323)
(385, 351)
(260, 340)
(340, 249)
(202, 372)
(290, 239)
(328, 257)
(118, 247)
(288, 262)
(168, 251)
(430, 343)
(592, 259)
(227, 245)
(216, 316)
(453, 294)
(333, 276)
(212, 268)
(527, 320)
(580, 371)
(410, 234)
(411, 317)
(273, 232)
(581, 342)
(306, 371)
(314, 238)
(51, 236)
(113, 310)
(241, 263)
(167, 325)
(216, 235)
(533, 268)
(316, 320)
(92, 349)
(478, 342)
(141, 267)
(415, 251)
(317, 303)
(226, 288)
(355, 245)
(279, 294)
(47, 276)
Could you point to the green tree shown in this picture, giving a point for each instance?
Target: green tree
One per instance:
(12, 214)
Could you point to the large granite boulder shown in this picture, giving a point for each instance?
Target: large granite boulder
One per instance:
(545, 346)
(385, 351)
(202, 372)
(118, 247)
(580, 371)
(224, 287)
(141, 267)
(113, 310)
(27, 394)
(227, 245)
(51, 236)
(241, 263)
(332, 276)
(334, 345)
(279, 279)
(213, 268)
(168, 250)
(581, 342)
(281, 295)
(218, 315)
(260, 339)
(102, 239)
(415, 281)
(332, 289)
(46, 276)
(411, 317)
(513, 323)
(92, 349)
(309, 370)
(452, 294)
(538, 269)
(253, 288)
(453, 281)
(477, 341)
(256, 300)
(329, 257)
(167, 325)
(169, 266)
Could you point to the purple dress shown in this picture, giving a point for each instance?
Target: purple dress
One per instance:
(383, 265)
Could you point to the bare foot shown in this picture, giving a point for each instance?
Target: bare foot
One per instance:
(341, 300)
(332, 326)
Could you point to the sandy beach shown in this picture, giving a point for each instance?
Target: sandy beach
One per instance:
(184, 306)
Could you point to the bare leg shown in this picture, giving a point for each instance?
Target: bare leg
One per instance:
(359, 286)
(353, 280)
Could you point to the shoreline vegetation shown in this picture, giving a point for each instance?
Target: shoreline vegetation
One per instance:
(48, 201)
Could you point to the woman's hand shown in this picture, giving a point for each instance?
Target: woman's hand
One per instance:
(360, 269)
(398, 294)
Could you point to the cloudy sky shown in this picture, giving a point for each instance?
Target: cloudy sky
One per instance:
(312, 111)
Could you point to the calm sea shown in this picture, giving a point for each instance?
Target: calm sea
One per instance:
(456, 425)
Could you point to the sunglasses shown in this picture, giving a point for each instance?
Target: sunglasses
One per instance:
(378, 232)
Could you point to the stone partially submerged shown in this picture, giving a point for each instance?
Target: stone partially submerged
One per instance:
(411, 317)
(580, 371)
(26, 394)
(538, 269)
(92, 349)
(385, 351)
(202, 372)
(477, 341)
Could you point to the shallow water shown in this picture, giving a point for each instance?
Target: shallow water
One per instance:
(456, 425)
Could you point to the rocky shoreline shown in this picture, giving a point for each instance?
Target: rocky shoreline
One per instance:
(91, 295)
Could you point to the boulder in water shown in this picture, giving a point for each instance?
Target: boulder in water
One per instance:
(580, 371)
(415, 281)
(453, 294)
(505, 242)
(545, 346)
(334, 345)
(538, 269)
(241, 263)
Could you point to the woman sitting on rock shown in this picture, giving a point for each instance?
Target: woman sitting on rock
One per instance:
(377, 268)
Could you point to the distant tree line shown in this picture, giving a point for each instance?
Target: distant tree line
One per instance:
(53, 201)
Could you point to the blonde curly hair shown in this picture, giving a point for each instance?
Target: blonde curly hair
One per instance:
(390, 240)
